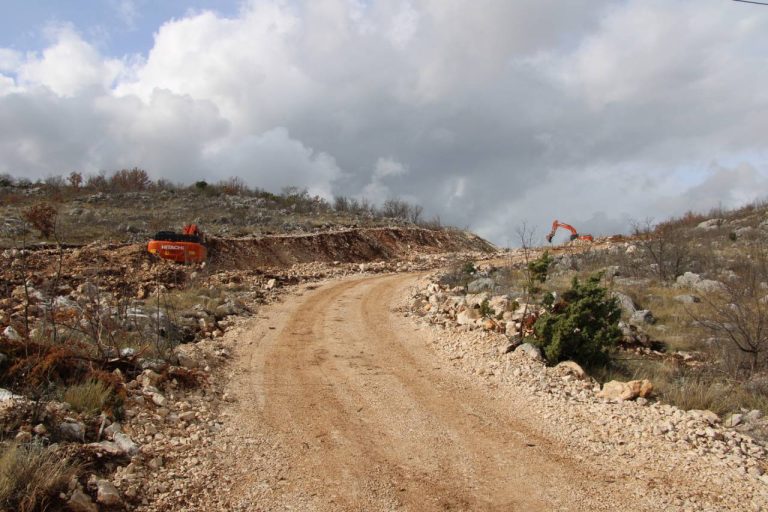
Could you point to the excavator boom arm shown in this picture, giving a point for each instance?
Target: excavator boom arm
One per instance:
(574, 234)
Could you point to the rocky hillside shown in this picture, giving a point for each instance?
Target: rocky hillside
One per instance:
(118, 213)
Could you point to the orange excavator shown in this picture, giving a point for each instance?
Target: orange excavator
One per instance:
(184, 247)
(574, 234)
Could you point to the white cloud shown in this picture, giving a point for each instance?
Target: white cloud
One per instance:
(68, 66)
(490, 111)
(377, 190)
(128, 12)
(10, 60)
(404, 26)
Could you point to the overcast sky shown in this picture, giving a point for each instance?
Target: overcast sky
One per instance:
(487, 112)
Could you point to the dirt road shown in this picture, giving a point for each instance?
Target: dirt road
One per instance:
(340, 405)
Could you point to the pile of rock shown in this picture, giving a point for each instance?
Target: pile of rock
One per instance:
(458, 306)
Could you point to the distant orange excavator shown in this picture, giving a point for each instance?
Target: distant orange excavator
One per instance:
(184, 247)
(574, 234)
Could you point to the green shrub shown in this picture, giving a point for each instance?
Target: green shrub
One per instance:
(89, 396)
(539, 267)
(486, 310)
(31, 477)
(582, 327)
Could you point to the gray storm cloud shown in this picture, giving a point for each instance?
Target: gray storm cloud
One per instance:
(488, 113)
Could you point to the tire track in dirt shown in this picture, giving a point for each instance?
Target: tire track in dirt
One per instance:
(355, 413)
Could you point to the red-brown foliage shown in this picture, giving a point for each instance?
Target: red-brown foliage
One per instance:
(42, 217)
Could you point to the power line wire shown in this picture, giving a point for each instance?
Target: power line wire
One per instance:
(750, 2)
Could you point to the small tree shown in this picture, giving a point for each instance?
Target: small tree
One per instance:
(582, 326)
(130, 180)
(539, 268)
(42, 217)
(97, 182)
(75, 180)
(530, 288)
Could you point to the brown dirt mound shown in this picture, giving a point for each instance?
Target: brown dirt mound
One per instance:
(349, 246)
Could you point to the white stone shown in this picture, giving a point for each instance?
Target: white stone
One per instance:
(11, 334)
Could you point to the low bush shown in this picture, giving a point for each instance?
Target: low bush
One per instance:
(486, 311)
(540, 267)
(31, 477)
(459, 274)
(582, 326)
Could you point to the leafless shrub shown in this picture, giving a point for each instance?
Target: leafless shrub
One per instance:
(341, 204)
(737, 316)
(130, 180)
(97, 182)
(75, 180)
(233, 186)
(395, 209)
(667, 253)
(54, 182)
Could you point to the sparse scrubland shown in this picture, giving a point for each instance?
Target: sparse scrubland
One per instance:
(107, 354)
(92, 327)
(128, 206)
(682, 303)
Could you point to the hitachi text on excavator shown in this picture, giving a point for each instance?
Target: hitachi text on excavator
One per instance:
(185, 247)
(574, 234)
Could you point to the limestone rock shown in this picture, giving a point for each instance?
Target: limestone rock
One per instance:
(710, 224)
(107, 447)
(126, 444)
(482, 284)
(81, 502)
(688, 279)
(468, 316)
(626, 303)
(7, 395)
(189, 356)
(572, 368)
(705, 415)
(107, 494)
(617, 390)
(530, 351)
(72, 430)
(687, 299)
(159, 400)
(11, 334)
(643, 316)
(709, 286)
(734, 420)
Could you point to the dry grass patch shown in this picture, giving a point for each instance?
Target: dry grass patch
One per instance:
(88, 397)
(207, 298)
(31, 477)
